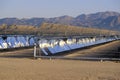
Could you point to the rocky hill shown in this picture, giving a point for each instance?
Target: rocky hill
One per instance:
(104, 20)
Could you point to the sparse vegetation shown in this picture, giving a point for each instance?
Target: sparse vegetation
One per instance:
(17, 29)
(68, 30)
(48, 29)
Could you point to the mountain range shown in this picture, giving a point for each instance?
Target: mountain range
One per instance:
(103, 20)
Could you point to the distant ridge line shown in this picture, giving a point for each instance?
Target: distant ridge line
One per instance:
(103, 20)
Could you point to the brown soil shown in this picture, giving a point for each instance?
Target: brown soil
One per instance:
(29, 69)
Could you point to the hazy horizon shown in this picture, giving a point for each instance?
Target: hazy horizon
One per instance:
(54, 8)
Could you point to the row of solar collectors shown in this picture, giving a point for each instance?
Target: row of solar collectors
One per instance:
(13, 42)
(57, 46)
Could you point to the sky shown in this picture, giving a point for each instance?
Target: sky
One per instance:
(55, 8)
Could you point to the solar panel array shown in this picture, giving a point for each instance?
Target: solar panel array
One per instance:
(15, 41)
(54, 46)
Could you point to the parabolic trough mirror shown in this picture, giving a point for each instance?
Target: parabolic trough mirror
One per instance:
(54, 46)
(15, 41)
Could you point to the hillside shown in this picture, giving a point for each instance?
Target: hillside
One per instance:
(104, 20)
(51, 29)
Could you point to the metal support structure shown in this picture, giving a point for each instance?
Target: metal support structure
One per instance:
(35, 50)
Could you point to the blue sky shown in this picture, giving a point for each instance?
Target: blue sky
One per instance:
(54, 8)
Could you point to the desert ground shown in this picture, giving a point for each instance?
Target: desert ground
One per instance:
(20, 65)
(29, 69)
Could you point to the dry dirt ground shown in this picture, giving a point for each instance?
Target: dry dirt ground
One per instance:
(15, 67)
(29, 69)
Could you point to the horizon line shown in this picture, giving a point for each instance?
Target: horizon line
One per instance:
(58, 16)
